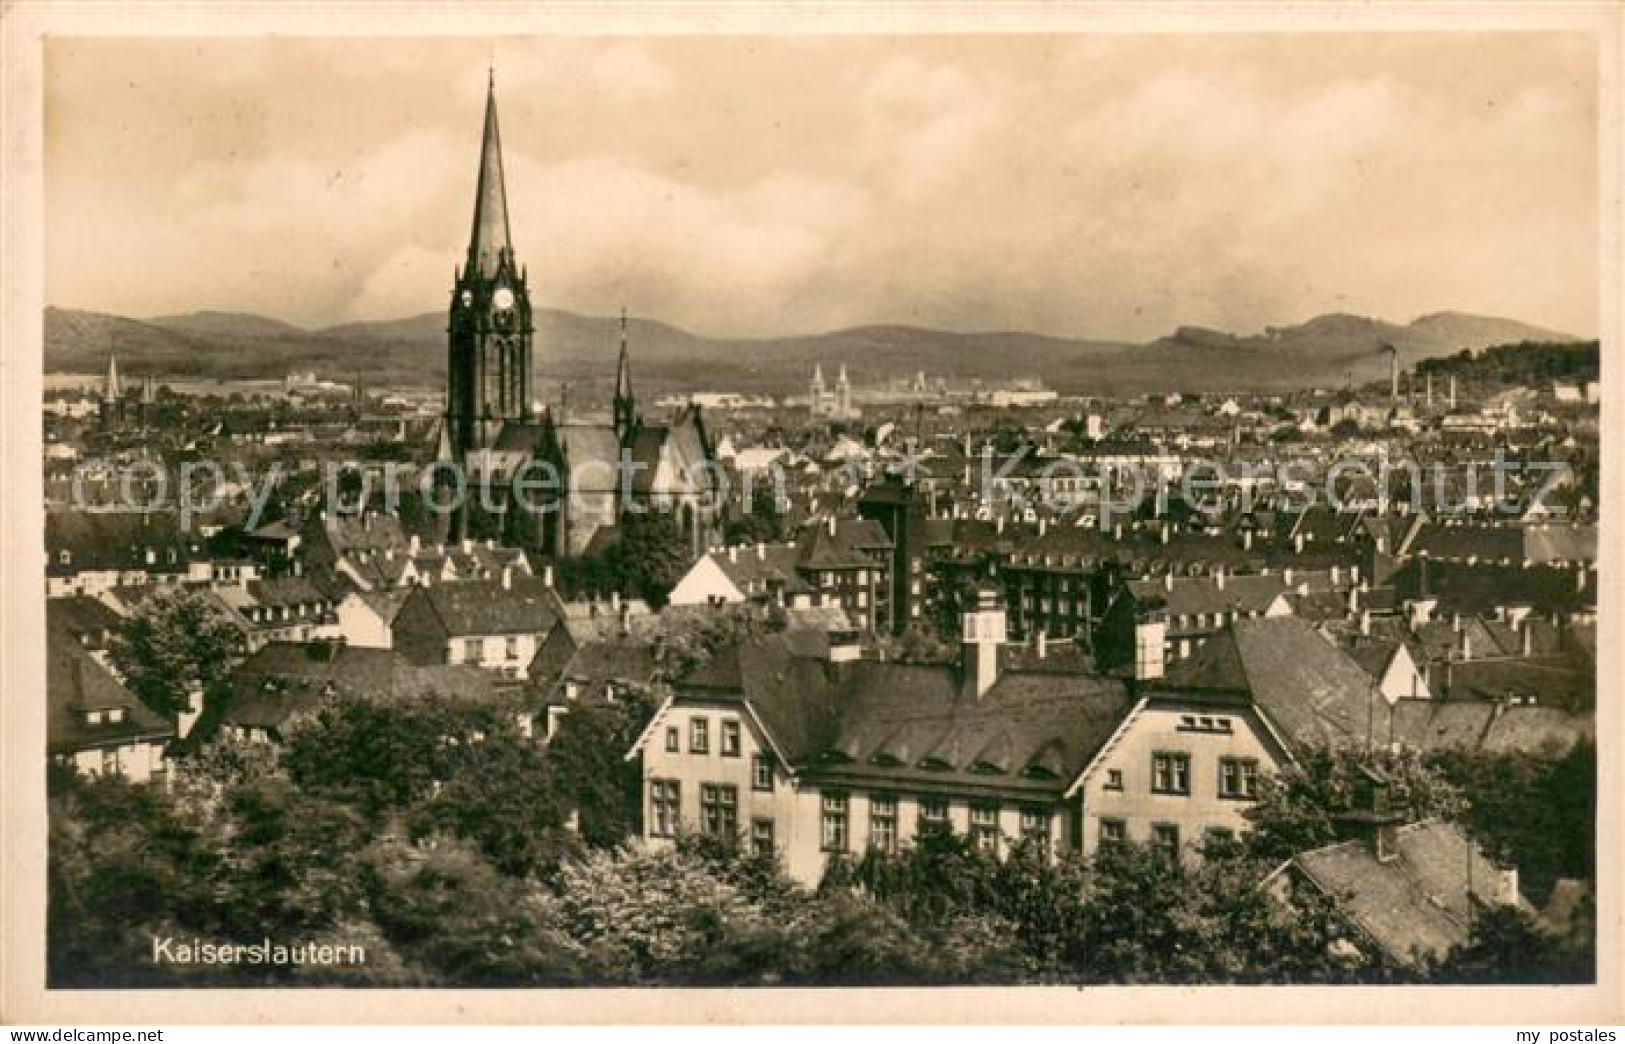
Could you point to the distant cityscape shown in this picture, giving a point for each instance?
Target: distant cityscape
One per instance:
(894, 678)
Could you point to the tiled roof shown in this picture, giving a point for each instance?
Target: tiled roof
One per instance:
(1307, 686)
(286, 679)
(1556, 542)
(1482, 588)
(1420, 902)
(1487, 543)
(1193, 595)
(115, 540)
(85, 618)
(891, 724)
(75, 682)
(527, 606)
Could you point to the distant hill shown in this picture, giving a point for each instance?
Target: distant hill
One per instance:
(581, 349)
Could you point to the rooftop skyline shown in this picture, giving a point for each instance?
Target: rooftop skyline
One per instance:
(1110, 187)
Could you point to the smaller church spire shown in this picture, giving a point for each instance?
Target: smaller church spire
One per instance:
(113, 391)
(623, 407)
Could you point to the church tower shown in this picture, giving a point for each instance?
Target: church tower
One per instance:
(624, 408)
(489, 329)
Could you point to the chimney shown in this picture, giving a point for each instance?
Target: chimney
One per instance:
(733, 553)
(1528, 635)
(1580, 579)
(547, 575)
(1247, 540)
(187, 719)
(1168, 580)
(626, 619)
(832, 525)
(1337, 576)
(1297, 543)
(1218, 578)
(1506, 887)
(1286, 576)
(1117, 531)
(615, 600)
(1365, 622)
(1150, 640)
(468, 546)
(1043, 525)
(761, 551)
(414, 546)
(1466, 646)
(1042, 643)
(1164, 534)
(983, 631)
(507, 578)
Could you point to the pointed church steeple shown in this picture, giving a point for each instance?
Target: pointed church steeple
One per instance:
(113, 390)
(625, 412)
(489, 240)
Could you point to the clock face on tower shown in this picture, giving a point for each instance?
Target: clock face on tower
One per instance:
(503, 298)
(468, 298)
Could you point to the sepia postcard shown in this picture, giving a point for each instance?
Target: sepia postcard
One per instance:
(800, 513)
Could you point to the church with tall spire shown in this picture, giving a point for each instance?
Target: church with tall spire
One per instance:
(492, 428)
(488, 352)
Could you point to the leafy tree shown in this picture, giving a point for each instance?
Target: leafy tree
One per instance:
(1297, 809)
(1508, 947)
(444, 908)
(1534, 812)
(586, 760)
(649, 556)
(173, 640)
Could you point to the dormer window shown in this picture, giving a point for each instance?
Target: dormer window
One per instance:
(64, 557)
(93, 717)
(115, 715)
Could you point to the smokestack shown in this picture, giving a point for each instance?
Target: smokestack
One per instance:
(983, 630)
(1452, 391)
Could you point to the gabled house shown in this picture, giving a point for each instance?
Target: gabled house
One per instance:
(497, 625)
(1411, 891)
(94, 723)
(804, 749)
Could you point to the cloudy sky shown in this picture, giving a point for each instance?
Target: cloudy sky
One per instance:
(1103, 186)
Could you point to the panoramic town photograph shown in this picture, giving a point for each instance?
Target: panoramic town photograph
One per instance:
(787, 511)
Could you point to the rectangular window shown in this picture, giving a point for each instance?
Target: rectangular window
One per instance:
(664, 807)
(761, 837)
(674, 740)
(719, 809)
(761, 772)
(1171, 773)
(1238, 778)
(1114, 779)
(1165, 840)
(473, 650)
(1035, 825)
(933, 815)
(1113, 831)
(834, 835)
(883, 822)
(730, 739)
(110, 762)
(984, 825)
(511, 647)
(699, 735)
